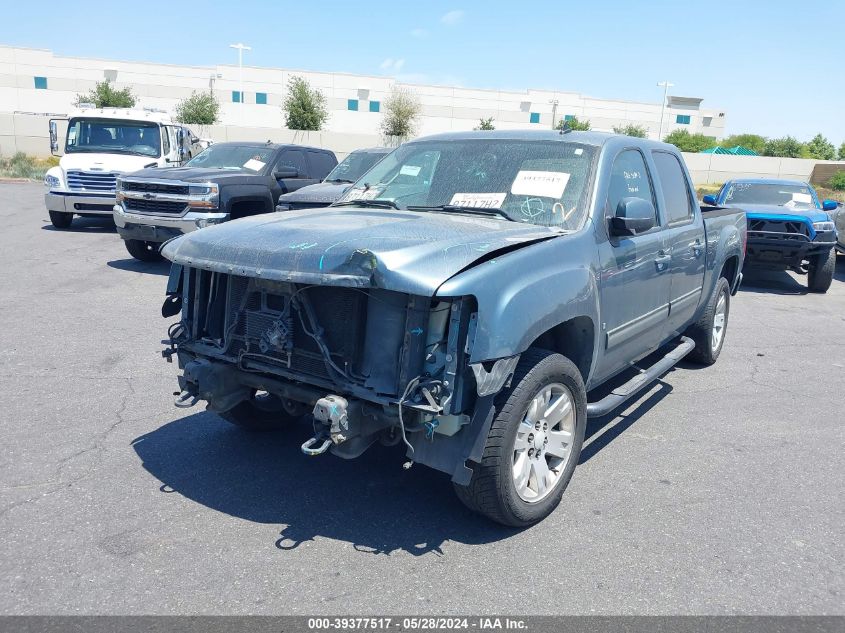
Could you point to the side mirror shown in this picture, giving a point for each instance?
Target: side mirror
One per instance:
(54, 138)
(633, 215)
(829, 205)
(711, 200)
(285, 172)
(194, 140)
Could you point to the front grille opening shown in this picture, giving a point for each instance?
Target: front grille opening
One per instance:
(83, 206)
(155, 187)
(93, 181)
(155, 206)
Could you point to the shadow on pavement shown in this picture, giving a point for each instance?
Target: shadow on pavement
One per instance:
(602, 431)
(370, 502)
(772, 282)
(84, 225)
(137, 266)
(839, 273)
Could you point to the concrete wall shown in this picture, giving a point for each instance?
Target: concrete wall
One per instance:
(717, 168)
(443, 108)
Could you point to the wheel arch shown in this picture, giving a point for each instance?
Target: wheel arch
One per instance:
(575, 339)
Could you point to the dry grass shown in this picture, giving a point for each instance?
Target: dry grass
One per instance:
(22, 166)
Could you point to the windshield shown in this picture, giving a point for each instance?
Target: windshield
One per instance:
(539, 182)
(353, 166)
(780, 195)
(110, 136)
(249, 158)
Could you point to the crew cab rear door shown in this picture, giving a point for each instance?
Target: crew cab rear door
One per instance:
(685, 239)
(635, 276)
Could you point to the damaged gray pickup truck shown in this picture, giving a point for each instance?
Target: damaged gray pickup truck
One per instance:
(461, 300)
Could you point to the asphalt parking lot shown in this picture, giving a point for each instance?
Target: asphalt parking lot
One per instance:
(719, 491)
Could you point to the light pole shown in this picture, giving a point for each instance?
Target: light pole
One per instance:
(241, 48)
(554, 103)
(665, 85)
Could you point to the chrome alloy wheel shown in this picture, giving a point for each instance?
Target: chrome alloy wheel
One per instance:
(719, 318)
(543, 442)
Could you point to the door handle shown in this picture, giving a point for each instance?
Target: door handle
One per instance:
(696, 247)
(662, 261)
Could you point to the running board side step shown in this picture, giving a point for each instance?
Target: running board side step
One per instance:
(625, 392)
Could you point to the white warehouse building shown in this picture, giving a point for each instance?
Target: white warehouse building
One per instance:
(37, 82)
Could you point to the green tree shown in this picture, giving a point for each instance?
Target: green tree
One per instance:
(485, 124)
(842, 152)
(198, 109)
(401, 114)
(687, 142)
(784, 147)
(838, 181)
(305, 107)
(574, 124)
(637, 131)
(821, 148)
(103, 95)
(754, 142)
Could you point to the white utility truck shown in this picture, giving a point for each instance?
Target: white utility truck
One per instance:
(101, 144)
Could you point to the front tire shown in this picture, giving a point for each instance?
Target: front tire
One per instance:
(820, 274)
(60, 219)
(264, 412)
(144, 251)
(709, 331)
(534, 442)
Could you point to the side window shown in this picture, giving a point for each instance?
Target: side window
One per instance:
(676, 197)
(628, 179)
(293, 158)
(165, 141)
(321, 164)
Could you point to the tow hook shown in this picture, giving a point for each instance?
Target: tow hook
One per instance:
(330, 413)
(186, 400)
(313, 452)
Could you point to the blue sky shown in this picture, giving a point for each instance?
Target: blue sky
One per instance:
(774, 67)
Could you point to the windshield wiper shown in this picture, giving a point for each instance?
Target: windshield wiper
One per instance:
(457, 208)
(340, 180)
(379, 204)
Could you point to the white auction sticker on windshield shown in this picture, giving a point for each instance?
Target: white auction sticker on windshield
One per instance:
(546, 184)
(361, 194)
(410, 170)
(479, 200)
(804, 198)
(254, 164)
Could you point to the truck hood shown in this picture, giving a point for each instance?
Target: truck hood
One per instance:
(121, 163)
(406, 251)
(199, 174)
(800, 214)
(322, 192)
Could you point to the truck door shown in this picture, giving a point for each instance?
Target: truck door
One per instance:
(684, 239)
(292, 159)
(634, 273)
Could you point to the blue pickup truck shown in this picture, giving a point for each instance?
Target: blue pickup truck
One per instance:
(788, 227)
(461, 300)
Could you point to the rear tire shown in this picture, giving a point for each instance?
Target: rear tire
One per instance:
(144, 251)
(60, 219)
(511, 485)
(820, 274)
(710, 330)
(264, 412)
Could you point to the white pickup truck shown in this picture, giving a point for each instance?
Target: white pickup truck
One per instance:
(101, 144)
